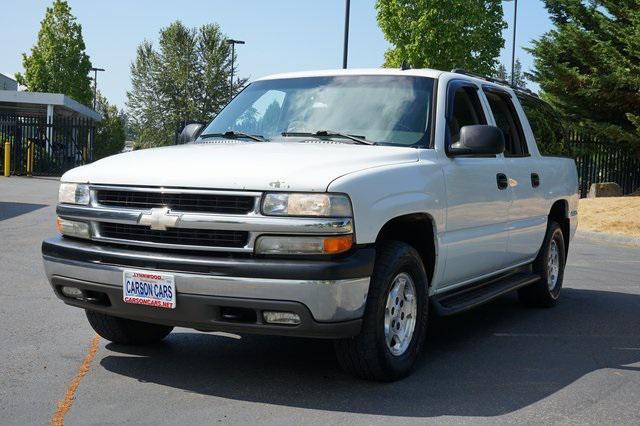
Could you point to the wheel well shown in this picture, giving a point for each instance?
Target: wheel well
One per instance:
(417, 230)
(560, 213)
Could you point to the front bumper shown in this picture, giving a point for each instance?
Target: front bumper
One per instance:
(328, 295)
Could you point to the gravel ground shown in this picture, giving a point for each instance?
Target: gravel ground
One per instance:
(578, 363)
(614, 215)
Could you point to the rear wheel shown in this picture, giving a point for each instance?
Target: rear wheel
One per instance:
(395, 318)
(125, 331)
(550, 266)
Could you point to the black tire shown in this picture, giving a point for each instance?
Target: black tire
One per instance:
(541, 294)
(126, 332)
(367, 355)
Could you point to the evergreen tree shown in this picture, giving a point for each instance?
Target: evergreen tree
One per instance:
(501, 73)
(443, 34)
(58, 62)
(518, 79)
(187, 78)
(588, 66)
(110, 132)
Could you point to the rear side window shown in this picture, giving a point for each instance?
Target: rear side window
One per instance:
(546, 124)
(466, 111)
(506, 117)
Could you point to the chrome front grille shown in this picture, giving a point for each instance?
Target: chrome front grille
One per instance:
(184, 202)
(207, 220)
(175, 236)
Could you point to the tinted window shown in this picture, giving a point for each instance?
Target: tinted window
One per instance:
(507, 120)
(546, 124)
(467, 111)
(385, 109)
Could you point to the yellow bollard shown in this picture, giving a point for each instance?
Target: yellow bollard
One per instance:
(29, 158)
(84, 154)
(33, 155)
(7, 158)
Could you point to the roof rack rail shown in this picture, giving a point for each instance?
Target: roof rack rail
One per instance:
(494, 80)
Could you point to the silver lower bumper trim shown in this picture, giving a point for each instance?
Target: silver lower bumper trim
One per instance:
(328, 300)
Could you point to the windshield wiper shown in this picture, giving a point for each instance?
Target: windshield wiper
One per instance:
(234, 135)
(331, 134)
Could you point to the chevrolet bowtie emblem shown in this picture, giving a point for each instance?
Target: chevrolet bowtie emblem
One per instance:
(159, 219)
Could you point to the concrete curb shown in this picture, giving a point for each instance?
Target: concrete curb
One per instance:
(609, 238)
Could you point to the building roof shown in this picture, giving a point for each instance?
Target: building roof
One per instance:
(8, 82)
(7, 76)
(36, 103)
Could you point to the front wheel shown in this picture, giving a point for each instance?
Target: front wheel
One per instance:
(125, 331)
(550, 266)
(395, 318)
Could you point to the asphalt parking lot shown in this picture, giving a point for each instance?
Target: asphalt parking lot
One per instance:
(578, 363)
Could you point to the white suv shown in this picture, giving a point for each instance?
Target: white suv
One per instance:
(335, 204)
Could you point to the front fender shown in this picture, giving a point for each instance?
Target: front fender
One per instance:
(383, 193)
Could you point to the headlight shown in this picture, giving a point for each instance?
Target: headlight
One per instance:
(300, 204)
(303, 245)
(71, 228)
(73, 193)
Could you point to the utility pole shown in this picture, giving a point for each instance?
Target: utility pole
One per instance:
(95, 84)
(513, 47)
(345, 49)
(233, 43)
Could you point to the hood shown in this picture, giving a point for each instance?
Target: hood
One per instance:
(241, 165)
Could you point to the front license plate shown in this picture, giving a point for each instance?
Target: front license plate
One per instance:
(149, 288)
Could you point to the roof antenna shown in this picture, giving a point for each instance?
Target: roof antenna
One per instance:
(405, 65)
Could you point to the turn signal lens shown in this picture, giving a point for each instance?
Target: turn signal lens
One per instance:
(337, 244)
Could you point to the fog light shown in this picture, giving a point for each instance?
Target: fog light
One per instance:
(288, 318)
(73, 292)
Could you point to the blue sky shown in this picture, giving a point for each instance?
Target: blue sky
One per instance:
(281, 35)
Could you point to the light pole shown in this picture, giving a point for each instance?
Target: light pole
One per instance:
(95, 84)
(233, 43)
(345, 49)
(513, 47)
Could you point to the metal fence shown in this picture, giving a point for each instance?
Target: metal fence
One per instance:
(41, 148)
(603, 161)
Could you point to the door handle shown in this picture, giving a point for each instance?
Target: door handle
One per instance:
(502, 180)
(535, 180)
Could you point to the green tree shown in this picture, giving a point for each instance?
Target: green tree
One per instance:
(186, 78)
(519, 79)
(588, 66)
(443, 34)
(110, 132)
(501, 73)
(58, 62)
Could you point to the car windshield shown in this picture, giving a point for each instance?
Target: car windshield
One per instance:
(388, 110)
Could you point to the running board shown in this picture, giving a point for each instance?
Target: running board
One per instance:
(462, 299)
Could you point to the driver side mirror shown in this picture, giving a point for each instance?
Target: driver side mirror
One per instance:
(190, 133)
(478, 140)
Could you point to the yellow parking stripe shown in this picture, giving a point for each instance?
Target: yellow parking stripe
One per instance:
(65, 404)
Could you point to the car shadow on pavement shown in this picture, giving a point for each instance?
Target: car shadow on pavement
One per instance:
(487, 362)
(11, 209)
